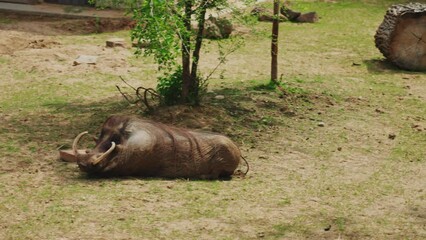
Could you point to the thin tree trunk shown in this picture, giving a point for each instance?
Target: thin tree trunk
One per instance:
(196, 53)
(186, 58)
(274, 45)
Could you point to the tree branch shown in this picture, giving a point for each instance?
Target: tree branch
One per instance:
(197, 48)
(140, 98)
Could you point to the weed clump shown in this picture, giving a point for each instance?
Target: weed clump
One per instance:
(170, 88)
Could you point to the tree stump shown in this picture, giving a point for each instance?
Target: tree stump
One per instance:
(401, 37)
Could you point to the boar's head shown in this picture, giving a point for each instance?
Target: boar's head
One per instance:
(109, 144)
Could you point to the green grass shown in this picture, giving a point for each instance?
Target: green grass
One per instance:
(5, 20)
(9, 147)
(409, 147)
(4, 60)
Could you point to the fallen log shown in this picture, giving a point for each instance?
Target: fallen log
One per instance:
(266, 15)
(310, 17)
(401, 37)
(290, 14)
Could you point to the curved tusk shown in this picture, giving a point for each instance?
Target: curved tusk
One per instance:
(105, 154)
(76, 140)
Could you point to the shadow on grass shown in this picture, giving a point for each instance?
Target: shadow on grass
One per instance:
(89, 115)
(56, 127)
(62, 121)
(380, 66)
(384, 66)
(96, 178)
(246, 115)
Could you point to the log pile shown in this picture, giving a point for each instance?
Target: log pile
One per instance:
(266, 15)
(401, 37)
(310, 17)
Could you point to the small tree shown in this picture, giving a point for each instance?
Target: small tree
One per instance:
(166, 27)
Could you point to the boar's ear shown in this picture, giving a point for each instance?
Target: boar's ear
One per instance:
(125, 128)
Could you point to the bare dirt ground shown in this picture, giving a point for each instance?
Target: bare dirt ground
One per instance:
(340, 156)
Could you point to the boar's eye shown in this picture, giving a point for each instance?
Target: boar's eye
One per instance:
(116, 139)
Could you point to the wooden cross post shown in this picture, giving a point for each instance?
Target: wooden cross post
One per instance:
(274, 45)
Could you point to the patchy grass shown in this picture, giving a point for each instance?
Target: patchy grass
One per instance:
(5, 20)
(340, 155)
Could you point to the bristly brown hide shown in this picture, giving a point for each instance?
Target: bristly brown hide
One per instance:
(146, 148)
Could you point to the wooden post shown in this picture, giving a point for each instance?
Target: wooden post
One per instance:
(274, 45)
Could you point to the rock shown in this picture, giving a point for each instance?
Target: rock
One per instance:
(211, 31)
(219, 97)
(85, 59)
(321, 124)
(115, 42)
(216, 28)
(240, 30)
(225, 26)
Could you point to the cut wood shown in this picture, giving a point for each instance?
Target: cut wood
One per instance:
(265, 15)
(115, 42)
(401, 37)
(310, 17)
(69, 156)
(290, 14)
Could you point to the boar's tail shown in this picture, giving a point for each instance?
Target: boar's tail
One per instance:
(247, 164)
